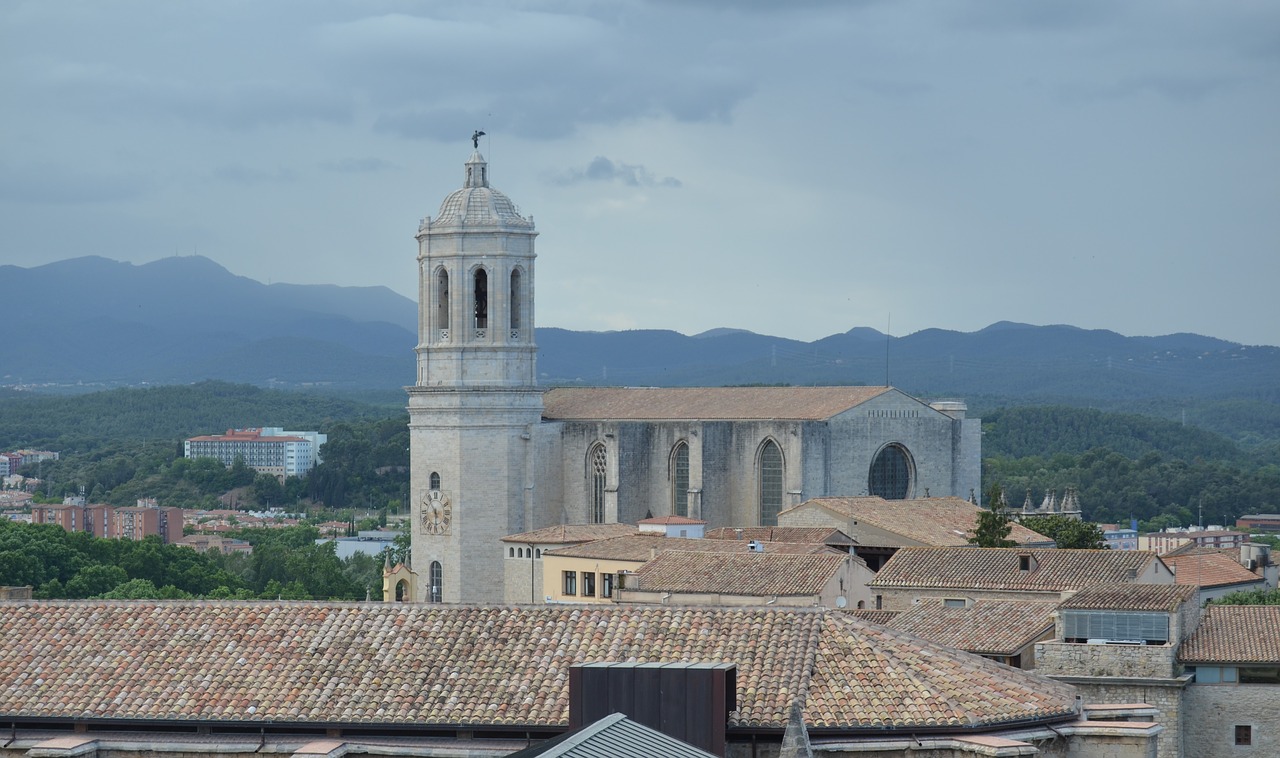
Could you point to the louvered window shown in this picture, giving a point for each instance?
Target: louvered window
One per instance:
(1116, 627)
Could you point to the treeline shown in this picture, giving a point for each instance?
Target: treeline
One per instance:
(82, 423)
(286, 563)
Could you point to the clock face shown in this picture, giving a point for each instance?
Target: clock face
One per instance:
(437, 513)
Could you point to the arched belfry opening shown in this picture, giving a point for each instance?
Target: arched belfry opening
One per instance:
(481, 298)
(516, 303)
(442, 302)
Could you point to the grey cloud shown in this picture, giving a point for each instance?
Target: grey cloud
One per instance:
(601, 169)
(1171, 87)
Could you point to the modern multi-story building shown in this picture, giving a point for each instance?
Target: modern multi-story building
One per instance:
(104, 521)
(268, 450)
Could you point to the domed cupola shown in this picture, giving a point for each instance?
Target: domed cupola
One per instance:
(478, 204)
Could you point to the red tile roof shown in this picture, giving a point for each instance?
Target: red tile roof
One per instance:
(989, 568)
(937, 521)
(571, 534)
(813, 534)
(645, 545)
(751, 574)
(1132, 597)
(374, 663)
(711, 403)
(1211, 569)
(987, 627)
(1235, 634)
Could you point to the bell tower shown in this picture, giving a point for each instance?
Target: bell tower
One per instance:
(475, 401)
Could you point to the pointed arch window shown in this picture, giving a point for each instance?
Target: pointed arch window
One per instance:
(481, 297)
(597, 479)
(442, 300)
(436, 593)
(770, 483)
(515, 302)
(680, 480)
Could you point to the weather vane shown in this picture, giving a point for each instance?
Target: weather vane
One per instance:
(475, 139)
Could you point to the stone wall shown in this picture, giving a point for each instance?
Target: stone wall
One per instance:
(1216, 710)
(1166, 695)
(1074, 659)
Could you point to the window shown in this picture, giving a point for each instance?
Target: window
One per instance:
(436, 594)
(588, 584)
(481, 299)
(511, 552)
(1024, 563)
(770, 483)
(571, 582)
(515, 300)
(1115, 626)
(435, 481)
(1244, 734)
(1259, 675)
(952, 602)
(442, 299)
(680, 480)
(606, 585)
(598, 472)
(890, 476)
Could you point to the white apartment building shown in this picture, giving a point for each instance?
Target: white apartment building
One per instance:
(268, 450)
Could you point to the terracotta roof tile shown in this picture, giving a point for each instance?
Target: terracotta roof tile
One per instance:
(1235, 634)
(987, 627)
(1132, 597)
(374, 663)
(709, 403)
(673, 519)
(1053, 569)
(874, 616)
(822, 535)
(1212, 569)
(571, 533)
(754, 574)
(937, 521)
(642, 547)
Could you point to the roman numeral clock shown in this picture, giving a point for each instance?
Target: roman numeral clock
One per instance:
(437, 513)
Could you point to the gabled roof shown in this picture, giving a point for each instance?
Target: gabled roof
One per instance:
(1128, 596)
(875, 615)
(671, 520)
(1235, 634)
(987, 627)
(644, 545)
(703, 403)
(821, 535)
(566, 534)
(1211, 569)
(614, 736)
(752, 574)
(454, 666)
(993, 568)
(937, 521)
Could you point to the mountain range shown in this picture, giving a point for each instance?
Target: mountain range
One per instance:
(93, 321)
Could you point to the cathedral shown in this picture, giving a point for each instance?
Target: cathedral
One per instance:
(494, 454)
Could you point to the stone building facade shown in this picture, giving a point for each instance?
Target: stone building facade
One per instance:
(492, 454)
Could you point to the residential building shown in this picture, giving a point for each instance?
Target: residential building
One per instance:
(1172, 539)
(1118, 643)
(879, 527)
(677, 577)
(1233, 658)
(961, 574)
(134, 523)
(69, 517)
(1119, 537)
(237, 679)
(812, 535)
(589, 572)
(269, 450)
(204, 543)
(1259, 522)
(673, 526)
(522, 555)
(1214, 572)
(493, 454)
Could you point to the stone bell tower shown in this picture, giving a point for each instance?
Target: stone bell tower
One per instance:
(475, 401)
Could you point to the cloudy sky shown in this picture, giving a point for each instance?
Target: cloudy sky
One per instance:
(793, 168)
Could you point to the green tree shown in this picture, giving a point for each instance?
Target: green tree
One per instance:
(1067, 532)
(96, 580)
(994, 524)
(1250, 597)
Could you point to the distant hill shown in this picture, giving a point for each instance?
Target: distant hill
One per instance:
(98, 322)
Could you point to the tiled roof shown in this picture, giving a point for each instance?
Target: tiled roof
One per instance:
(642, 547)
(937, 521)
(1235, 634)
(874, 616)
(812, 534)
(673, 519)
(1209, 570)
(988, 627)
(571, 533)
(710, 403)
(1128, 596)
(421, 664)
(993, 568)
(753, 574)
